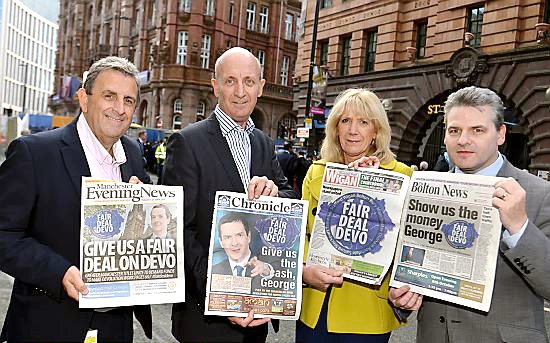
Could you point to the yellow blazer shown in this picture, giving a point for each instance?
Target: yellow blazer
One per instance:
(354, 307)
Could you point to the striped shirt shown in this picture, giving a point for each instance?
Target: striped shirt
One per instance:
(238, 140)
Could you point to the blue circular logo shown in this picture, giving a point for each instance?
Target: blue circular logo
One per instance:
(355, 223)
(460, 234)
(278, 232)
(104, 224)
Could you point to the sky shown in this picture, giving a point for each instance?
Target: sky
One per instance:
(46, 8)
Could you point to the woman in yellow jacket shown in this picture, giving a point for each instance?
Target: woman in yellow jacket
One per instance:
(333, 309)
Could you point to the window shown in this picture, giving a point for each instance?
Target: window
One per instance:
(205, 51)
(346, 51)
(264, 19)
(231, 12)
(152, 19)
(209, 8)
(178, 106)
(284, 70)
(421, 29)
(370, 50)
(185, 6)
(201, 106)
(475, 21)
(183, 39)
(546, 18)
(261, 58)
(326, 3)
(250, 16)
(288, 26)
(176, 122)
(323, 53)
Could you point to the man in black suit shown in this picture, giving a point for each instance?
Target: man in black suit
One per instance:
(222, 152)
(40, 212)
(234, 235)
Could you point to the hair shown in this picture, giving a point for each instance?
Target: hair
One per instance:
(358, 100)
(233, 218)
(166, 210)
(288, 146)
(476, 97)
(111, 63)
(234, 50)
(141, 132)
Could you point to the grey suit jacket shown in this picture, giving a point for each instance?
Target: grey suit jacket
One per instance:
(522, 281)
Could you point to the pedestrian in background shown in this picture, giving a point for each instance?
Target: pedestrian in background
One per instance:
(160, 156)
(289, 162)
(333, 309)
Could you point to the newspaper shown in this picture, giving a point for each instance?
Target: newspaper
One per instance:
(131, 244)
(263, 237)
(357, 221)
(449, 238)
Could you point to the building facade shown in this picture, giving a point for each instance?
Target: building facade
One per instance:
(414, 53)
(27, 59)
(175, 43)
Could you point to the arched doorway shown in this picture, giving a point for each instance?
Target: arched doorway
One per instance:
(286, 127)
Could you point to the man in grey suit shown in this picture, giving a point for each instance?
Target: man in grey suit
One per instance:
(474, 131)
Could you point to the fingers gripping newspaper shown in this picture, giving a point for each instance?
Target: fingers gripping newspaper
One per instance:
(256, 254)
(357, 221)
(449, 238)
(131, 244)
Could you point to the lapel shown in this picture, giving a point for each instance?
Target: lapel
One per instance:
(224, 154)
(507, 169)
(255, 154)
(73, 155)
(126, 168)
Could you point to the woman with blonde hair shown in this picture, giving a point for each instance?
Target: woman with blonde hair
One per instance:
(333, 309)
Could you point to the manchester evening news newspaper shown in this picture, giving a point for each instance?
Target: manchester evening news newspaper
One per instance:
(276, 234)
(122, 259)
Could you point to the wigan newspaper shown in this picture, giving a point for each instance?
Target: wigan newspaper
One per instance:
(357, 221)
(256, 254)
(131, 244)
(449, 238)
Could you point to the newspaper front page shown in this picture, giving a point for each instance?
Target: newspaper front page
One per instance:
(450, 232)
(131, 244)
(357, 221)
(256, 254)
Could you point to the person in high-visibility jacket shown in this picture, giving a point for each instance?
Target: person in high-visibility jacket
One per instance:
(160, 155)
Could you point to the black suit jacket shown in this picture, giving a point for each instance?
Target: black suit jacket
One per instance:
(40, 233)
(198, 157)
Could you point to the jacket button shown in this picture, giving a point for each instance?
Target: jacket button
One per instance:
(442, 319)
(314, 211)
(516, 260)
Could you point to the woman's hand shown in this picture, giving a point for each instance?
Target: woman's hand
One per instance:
(365, 162)
(321, 278)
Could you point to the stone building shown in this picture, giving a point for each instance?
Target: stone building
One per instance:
(414, 53)
(174, 43)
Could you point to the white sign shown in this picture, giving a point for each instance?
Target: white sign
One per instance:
(302, 132)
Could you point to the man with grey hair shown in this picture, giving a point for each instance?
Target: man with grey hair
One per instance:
(474, 131)
(223, 152)
(40, 212)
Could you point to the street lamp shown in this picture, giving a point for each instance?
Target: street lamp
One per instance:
(26, 65)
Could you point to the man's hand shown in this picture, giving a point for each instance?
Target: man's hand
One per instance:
(509, 198)
(404, 299)
(249, 321)
(365, 162)
(135, 180)
(258, 267)
(73, 284)
(261, 185)
(321, 278)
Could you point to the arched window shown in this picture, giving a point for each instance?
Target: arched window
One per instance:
(201, 107)
(286, 127)
(176, 122)
(178, 106)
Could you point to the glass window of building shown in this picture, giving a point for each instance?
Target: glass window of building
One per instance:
(176, 122)
(153, 12)
(261, 58)
(370, 50)
(475, 22)
(323, 53)
(231, 12)
(185, 6)
(546, 17)
(421, 29)
(345, 55)
(284, 71)
(205, 51)
(183, 39)
(326, 3)
(201, 108)
(264, 19)
(288, 26)
(209, 8)
(250, 16)
(178, 106)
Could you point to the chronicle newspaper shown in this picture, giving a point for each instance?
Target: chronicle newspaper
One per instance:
(450, 233)
(256, 254)
(131, 244)
(357, 221)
